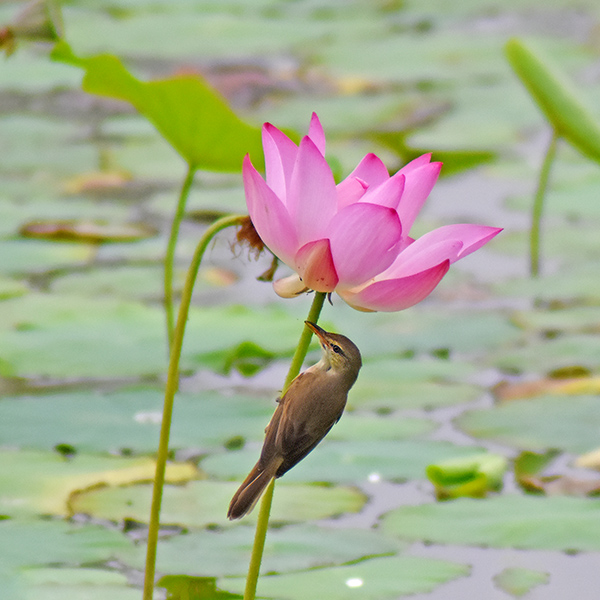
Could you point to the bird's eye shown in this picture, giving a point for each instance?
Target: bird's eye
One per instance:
(336, 349)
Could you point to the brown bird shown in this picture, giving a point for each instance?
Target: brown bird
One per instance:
(312, 405)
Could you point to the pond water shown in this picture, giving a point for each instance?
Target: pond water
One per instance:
(82, 345)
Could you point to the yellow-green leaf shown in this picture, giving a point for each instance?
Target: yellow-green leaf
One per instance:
(556, 98)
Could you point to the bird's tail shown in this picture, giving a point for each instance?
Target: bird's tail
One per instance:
(251, 490)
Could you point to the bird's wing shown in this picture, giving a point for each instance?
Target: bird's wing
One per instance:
(269, 449)
(302, 426)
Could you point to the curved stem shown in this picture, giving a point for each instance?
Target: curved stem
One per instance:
(538, 206)
(170, 254)
(170, 391)
(265, 503)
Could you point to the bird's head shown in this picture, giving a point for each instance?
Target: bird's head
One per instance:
(339, 353)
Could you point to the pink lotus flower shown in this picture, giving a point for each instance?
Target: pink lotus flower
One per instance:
(352, 238)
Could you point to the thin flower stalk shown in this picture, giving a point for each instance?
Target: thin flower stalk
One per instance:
(170, 391)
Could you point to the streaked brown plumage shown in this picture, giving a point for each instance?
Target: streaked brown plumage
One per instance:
(312, 405)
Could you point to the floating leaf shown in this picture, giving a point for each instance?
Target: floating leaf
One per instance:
(77, 336)
(397, 384)
(91, 584)
(473, 476)
(247, 358)
(204, 503)
(349, 462)
(37, 256)
(529, 389)
(183, 587)
(130, 420)
(566, 423)
(187, 112)
(102, 182)
(87, 232)
(539, 356)
(556, 98)
(291, 548)
(518, 582)
(9, 288)
(43, 482)
(531, 463)
(511, 521)
(36, 542)
(384, 578)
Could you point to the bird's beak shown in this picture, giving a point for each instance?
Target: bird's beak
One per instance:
(320, 333)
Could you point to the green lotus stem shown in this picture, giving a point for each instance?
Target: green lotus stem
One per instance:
(170, 255)
(267, 499)
(170, 391)
(538, 207)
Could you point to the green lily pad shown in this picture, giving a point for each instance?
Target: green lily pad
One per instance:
(246, 358)
(130, 419)
(87, 231)
(568, 423)
(49, 204)
(518, 582)
(202, 30)
(194, 588)
(424, 329)
(25, 72)
(35, 256)
(512, 521)
(34, 543)
(9, 288)
(364, 426)
(373, 579)
(287, 549)
(71, 336)
(575, 282)
(348, 461)
(91, 584)
(204, 503)
(442, 55)
(126, 282)
(474, 476)
(149, 159)
(562, 247)
(546, 355)
(401, 384)
(577, 319)
(574, 197)
(43, 146)
(43, 482)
